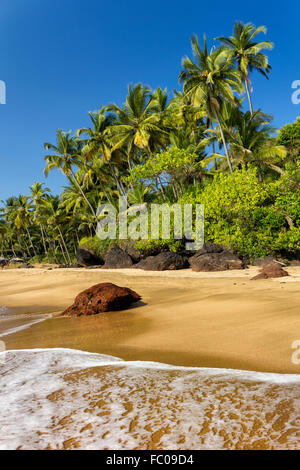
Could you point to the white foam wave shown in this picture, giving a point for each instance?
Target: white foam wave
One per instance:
(64, 398)
(28, 324)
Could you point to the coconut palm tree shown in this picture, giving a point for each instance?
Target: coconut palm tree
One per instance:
(138, 122)
(252, 142)
(247, 52)
(67, 154)
(97, 142)
(57, 218)
(21, 214)
(209, 81)
(39, 195)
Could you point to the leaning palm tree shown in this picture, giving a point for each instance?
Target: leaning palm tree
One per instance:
(39, 195)
(209, 81)
(247, 52)
(67, 153)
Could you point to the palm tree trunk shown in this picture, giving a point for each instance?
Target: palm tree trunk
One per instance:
(12, 249)
(44, 243)
(31, 243)
(62, 251)
(224, 144)
(213, 148)
(161, 188)
(26, 251)
(248, 94)
(83, 194)
(116, 179)
(276, 168)
(52, 248)
(64, 244)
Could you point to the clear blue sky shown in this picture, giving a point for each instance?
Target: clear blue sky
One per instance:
(62, 58)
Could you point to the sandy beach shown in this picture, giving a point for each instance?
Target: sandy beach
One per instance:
(221, 319)
(169, 373)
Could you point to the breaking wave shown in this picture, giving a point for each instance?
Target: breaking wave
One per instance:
(65, 399)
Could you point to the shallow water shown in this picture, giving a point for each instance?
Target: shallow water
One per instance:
(64, 399)
(12, 323)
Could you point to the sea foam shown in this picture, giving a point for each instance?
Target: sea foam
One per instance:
(64, 398)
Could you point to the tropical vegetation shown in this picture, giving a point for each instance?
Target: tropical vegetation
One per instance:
(200, 145)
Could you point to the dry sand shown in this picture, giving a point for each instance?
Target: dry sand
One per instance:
(222, 319)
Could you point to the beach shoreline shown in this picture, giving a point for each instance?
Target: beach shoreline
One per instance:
(219, 320)
(204, 361)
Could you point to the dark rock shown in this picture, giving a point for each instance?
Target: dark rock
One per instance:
(215, 261)
(262, 261)
(295, 262)
(162, 262)
(26, 266)
(100, 298)
(270, 270)
(117, 258)
(86, 257)
(129, 247)
(210, 248)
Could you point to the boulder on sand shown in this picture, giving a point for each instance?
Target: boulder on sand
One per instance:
(100, 298)
(162, 262)
(270, 270)
(212, 257)
(117, 258)
(86, 257)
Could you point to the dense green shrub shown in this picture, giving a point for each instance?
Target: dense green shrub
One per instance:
(96, 245)
(249, 217)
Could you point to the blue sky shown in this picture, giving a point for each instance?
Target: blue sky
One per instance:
(62, 58)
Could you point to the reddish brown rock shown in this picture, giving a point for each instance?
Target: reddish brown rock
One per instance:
(271, 270)
(100, 298)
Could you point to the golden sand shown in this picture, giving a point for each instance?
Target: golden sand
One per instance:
(192, 319)
(211, 320)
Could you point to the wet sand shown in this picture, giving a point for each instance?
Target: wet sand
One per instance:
(222, 324)
(221, 320)
(67, 399)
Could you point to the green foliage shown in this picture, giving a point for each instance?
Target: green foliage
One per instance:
(176, 166)
(247, 216)
(152, 247)
(289, 136)
(160, 149)
(95, 244)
